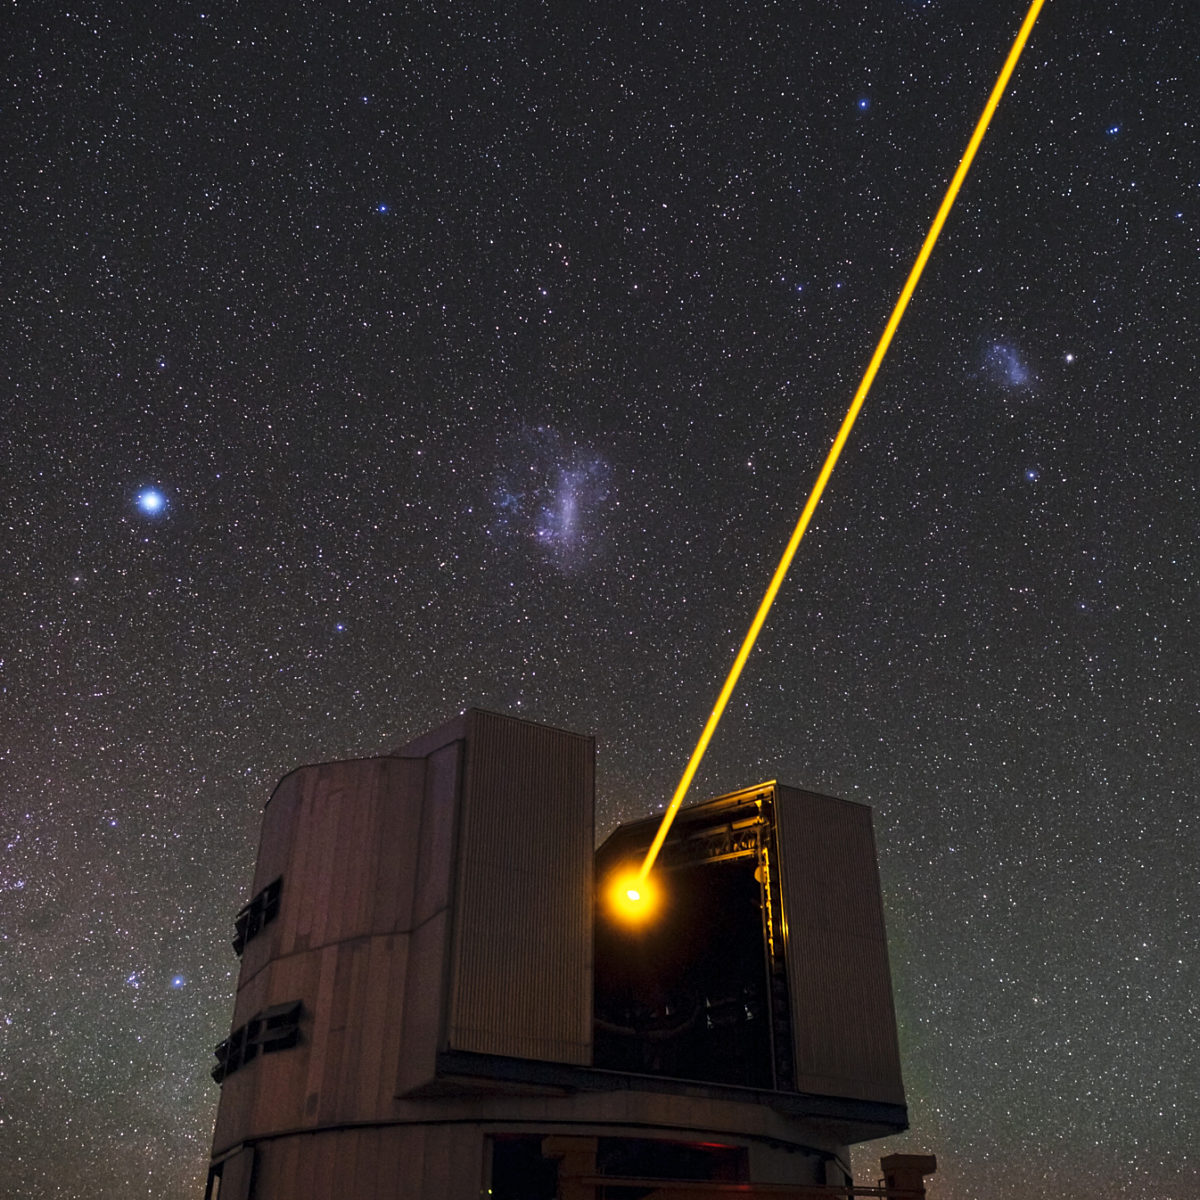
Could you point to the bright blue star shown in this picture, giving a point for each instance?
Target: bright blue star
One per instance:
(177, 981)
(1112, 130)
(864, 103)
(381, 207)
(151, 501)
(1032, 474)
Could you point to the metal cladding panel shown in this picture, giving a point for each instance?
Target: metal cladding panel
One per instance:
(369, 1164)
(522, 957)
(423, 1005)
(352, 839)
(278, 831)
(237, 1175)
(344, 839)
(434, 868)
(843, 1019)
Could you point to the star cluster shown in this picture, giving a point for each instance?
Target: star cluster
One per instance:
(364, 364)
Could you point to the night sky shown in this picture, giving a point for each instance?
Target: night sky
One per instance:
(362, 363)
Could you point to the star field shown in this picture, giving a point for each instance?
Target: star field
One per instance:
(362, 365)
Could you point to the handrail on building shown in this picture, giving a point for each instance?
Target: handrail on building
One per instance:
(903, 1179)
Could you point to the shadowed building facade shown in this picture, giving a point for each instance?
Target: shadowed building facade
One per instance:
(435, 999)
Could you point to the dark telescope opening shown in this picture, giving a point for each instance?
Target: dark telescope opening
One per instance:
(684, 993)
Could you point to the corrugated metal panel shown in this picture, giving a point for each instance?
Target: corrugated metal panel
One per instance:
(423, 1003)
(523, 926)
(370, 1164)
(344, 837)
(274, 846)
(433, 885)
(278, 828)
(402, 876)
(843, 1020)
(341, 835)
(397, 842)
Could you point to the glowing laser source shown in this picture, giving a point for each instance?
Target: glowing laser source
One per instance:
(842, 435)
(631, 898)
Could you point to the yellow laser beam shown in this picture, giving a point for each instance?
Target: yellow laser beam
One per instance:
(843, 433)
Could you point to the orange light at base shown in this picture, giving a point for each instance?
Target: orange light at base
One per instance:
(630, 898)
